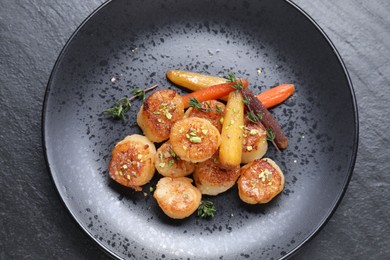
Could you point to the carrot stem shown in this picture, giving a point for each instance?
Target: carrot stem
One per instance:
(276, 95)
(213, 92)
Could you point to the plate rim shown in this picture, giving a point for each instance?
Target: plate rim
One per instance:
(352, 162)
(320, 224)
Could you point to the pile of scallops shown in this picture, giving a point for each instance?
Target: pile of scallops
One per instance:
(188, 155)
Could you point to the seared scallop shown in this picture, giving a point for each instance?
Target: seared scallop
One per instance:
(169, 164)
(211, 110)
(211, 179)
(194, 139)
(132, 161)
(177, 197)
(158, 113)
(260, 181)
(254, 143)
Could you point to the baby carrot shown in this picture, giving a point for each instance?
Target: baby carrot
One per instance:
(267, 119)
(192, 80)
(213, 92)
(276, 95)
(230, 150)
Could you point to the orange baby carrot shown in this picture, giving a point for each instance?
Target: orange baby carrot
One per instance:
(276, 95)
(213, 92)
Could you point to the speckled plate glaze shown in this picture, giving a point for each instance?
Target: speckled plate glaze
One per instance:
(127, 44)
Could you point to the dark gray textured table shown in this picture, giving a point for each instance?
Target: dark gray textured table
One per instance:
(36, 225)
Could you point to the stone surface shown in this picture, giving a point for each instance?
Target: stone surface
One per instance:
(35, 224)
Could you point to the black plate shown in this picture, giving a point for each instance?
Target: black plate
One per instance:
(127, 44)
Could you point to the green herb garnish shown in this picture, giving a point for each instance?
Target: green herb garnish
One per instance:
(140, 93)
(218, 109)
(194, 103)
(207, 107)
(118, 111)
(270, 134)
(237, 86)
(252, 117)
(123, 104)
(206, 209)
(255, 118)
(231, 77)
(204, 107)
(259, 116)
(246, 100)
(173, 154)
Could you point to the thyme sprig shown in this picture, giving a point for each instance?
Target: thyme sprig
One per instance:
(246, 100)
(231, 77)
(255, 118)
(270, 135)
(138, 92)
(194, 103)
(173, 154)
(204, 106)
(206, 209)
(124, 104)
(218, 109)
(141, 93)
(118, 111)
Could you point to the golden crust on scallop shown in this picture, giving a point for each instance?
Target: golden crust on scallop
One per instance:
(177, 197)
(211, 110)
(211, 179)
(158, 113)
(254, 143)
(260, 181)
(169, 164)
(194, 139)
(132, 161)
